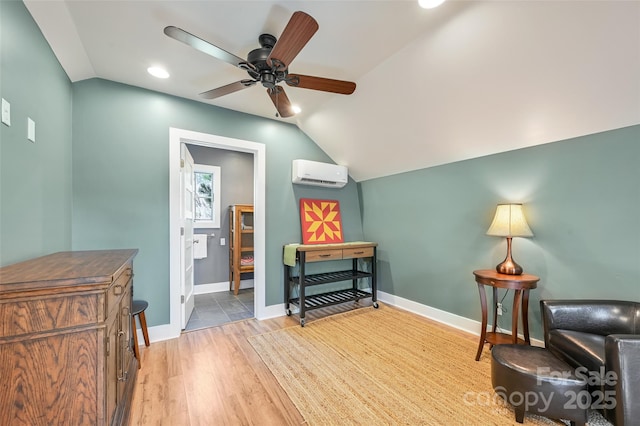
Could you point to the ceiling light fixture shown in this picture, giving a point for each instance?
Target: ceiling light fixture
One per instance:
(158, 72)
(430, 4)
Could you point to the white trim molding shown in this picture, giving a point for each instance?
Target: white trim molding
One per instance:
(219, 287)
(452, 320)
(176, 137)
(444, 317)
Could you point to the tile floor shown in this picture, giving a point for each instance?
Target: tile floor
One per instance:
(219, 308)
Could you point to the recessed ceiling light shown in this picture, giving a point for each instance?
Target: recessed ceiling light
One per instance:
(296, 109)
(430, 4)
(158, 72)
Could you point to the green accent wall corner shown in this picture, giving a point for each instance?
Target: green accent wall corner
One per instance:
(35, 178)
(581, 198)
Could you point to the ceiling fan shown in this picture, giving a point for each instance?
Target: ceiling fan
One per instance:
(269, 64)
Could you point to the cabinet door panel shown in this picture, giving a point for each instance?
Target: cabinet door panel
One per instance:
(125, 353)
(111, 393)
(50, 381)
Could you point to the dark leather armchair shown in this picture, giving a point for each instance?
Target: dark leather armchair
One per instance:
(603, 338)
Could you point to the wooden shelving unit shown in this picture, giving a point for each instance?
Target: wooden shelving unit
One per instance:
(240, 243)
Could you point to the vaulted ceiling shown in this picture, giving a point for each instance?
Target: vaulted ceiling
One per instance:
(467, 79)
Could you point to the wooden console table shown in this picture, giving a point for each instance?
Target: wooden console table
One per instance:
(303, 254)
(521, 284)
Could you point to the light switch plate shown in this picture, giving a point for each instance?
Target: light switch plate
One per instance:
(31, 129)
(6, 112)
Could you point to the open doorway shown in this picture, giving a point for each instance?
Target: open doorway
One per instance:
(258, 151)
(223, 251)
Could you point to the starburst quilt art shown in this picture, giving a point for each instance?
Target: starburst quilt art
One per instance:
(321, 223)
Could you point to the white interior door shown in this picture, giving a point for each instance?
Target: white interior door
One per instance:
(186, 238)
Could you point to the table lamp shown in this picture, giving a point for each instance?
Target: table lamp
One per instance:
(509, 222)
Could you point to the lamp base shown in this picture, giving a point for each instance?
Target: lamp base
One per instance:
(508, 266)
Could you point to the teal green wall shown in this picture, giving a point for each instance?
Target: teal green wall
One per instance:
(121, 179)
(581, 198)
(35, 179)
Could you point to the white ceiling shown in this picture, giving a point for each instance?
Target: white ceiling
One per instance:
(433, 86)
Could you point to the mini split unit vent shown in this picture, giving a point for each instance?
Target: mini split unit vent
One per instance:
(307, 172)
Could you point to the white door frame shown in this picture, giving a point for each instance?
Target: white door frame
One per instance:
(176, 136)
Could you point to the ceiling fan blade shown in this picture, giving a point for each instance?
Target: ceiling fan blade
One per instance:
(225, 90)
(296, 34)
(202, 45)
(281, 101)
(320, 83)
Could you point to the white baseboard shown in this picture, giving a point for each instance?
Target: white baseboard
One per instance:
(218, 287)
(272, 311)
(158, 333)
(453, 320)
(444, 317)
(165, 332)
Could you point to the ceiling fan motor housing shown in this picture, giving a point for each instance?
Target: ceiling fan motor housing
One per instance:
(269, 76)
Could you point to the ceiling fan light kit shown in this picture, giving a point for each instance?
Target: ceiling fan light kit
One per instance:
(269, 64)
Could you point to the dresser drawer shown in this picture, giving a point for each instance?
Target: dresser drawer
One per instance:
(117, 289)
(350, 253)
(40, 314)
(320, 255)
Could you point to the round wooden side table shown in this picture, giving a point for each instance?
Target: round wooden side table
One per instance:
(521, 284)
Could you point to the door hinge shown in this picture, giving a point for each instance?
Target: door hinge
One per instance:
(182, 231)
(182, 298)
(181, 163)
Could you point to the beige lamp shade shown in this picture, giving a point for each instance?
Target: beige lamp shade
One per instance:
(509, 221)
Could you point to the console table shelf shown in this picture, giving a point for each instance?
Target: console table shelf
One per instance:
(295, 254)
(331, 277)
(332, 298)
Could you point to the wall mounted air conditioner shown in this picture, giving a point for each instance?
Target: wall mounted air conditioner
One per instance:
(307, 172)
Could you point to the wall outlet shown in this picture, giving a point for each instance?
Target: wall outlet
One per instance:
(223, 241)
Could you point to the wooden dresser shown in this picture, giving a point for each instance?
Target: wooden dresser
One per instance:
(65, 339)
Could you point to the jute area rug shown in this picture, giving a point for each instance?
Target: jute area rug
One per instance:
(384, 367)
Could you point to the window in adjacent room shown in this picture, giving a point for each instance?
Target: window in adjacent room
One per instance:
(207, 196)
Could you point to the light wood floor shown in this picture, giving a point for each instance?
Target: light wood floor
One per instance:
(214, 377)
